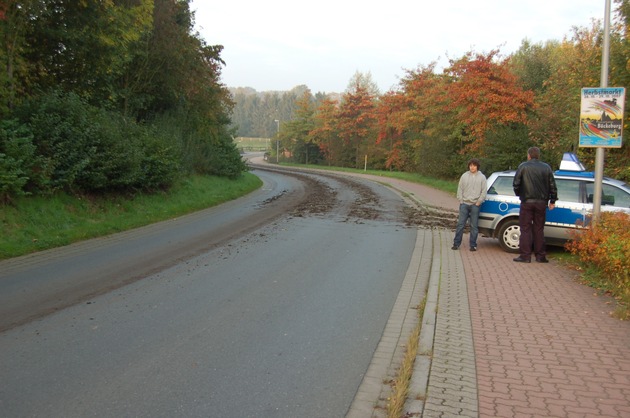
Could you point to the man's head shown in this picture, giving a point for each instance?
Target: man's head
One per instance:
(533, 153)
(473, 165)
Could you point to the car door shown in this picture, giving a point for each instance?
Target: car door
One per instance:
(570, 211)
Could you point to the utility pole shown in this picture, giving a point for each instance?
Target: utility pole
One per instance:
(599, 151)
(277, 140)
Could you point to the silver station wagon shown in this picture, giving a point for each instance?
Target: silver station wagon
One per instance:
(498, 215)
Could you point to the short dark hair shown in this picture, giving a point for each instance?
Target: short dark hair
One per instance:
(534, 152)
(475, 162)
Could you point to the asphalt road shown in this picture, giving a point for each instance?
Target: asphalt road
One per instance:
(268, 306)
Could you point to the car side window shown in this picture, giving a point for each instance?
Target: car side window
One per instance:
(502, 185)
(568, 190)
(611, 195)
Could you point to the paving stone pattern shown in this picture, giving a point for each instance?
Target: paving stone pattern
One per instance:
(452, 382)
(545, 345)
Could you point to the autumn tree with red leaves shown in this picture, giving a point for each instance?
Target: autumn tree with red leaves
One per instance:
(391, 123)
(484, 94)
(324, 134)
(356, 124)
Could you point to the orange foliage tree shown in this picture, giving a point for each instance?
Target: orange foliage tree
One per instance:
(391, 128)
(356, 122)
(484, 93)
(410, 116)
(324, 132)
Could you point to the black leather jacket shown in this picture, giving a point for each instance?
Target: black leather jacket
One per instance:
(534, 181)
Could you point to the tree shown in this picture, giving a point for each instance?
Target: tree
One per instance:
(324, 133)
(533, 64)
(85, 46)
(295, 133)
(17, 75)
(576, 63)
(392, 127)
(485, 93)
(356, 122)
(364, 81)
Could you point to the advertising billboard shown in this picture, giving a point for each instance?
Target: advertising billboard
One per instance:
(601, 117)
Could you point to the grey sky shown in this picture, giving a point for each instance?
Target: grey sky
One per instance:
(279, 44)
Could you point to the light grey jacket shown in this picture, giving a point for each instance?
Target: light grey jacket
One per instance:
(472, 188)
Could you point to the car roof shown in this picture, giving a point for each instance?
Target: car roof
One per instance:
(570, 167)
(564, 174)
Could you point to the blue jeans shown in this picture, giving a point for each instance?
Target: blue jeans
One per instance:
(467, 212)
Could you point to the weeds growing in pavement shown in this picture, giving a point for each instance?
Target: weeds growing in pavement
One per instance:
(400, 386)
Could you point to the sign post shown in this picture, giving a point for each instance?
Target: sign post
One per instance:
(601, 117)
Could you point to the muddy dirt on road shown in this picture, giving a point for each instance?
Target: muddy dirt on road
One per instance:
(322, 199)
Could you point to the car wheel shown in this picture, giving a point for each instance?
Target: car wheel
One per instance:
(509, 236)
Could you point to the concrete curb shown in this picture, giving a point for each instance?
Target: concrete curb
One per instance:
(418, 387)
(374, 391)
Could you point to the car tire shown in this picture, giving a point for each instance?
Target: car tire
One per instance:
(509, 236)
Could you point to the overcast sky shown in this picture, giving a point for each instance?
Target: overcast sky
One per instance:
(280, 44)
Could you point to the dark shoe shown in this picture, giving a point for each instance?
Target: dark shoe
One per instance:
(542, 260)
(521, 260)
(454, 247)
(473, 248)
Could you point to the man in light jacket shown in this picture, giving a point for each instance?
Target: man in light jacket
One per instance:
(471, 192)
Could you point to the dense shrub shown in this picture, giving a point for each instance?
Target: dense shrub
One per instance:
(606, 246)
(17, 154)
(60, 142)
(214, 153)
(80, 148)
(223, 159)
(65, 134)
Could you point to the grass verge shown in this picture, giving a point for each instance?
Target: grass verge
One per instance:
(37, 223)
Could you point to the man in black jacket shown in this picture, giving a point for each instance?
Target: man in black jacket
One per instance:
(536, 187)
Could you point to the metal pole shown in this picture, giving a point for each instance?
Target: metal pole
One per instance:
(599, 153)
(277, 140)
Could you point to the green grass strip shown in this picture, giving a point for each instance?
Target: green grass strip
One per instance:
(37, 223)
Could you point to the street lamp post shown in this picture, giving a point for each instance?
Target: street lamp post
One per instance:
(277, 140)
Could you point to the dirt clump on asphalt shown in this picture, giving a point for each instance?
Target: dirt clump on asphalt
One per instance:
(430, 217)
(323, 199)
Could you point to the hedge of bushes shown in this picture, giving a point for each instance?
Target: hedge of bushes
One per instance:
(60, 142)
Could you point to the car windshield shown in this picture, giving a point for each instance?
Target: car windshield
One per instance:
(502, 185)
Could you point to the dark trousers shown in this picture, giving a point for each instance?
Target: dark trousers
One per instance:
(532, 223)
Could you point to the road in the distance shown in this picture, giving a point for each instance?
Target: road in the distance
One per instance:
(279, 322)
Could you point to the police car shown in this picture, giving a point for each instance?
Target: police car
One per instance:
(498, 215)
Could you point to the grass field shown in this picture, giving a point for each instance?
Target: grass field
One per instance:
(253, 144)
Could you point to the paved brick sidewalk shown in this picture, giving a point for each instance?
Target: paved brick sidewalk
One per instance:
(545, 345)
